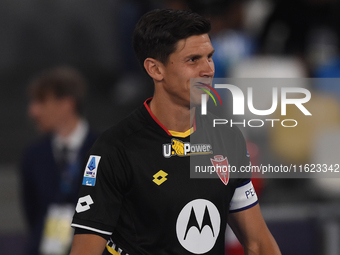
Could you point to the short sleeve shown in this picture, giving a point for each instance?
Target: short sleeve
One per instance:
(103, 187)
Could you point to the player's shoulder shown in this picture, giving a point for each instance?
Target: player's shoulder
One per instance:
(117, 135)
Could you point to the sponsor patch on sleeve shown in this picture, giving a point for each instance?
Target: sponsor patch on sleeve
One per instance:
(91, 169)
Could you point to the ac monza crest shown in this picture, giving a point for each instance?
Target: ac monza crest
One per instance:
(221, 167)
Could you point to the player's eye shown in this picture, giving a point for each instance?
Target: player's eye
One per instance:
(210, 56)
(193, 59)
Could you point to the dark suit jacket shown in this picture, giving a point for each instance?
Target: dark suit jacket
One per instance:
(41, 182)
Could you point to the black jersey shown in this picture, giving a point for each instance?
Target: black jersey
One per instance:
(137, 188)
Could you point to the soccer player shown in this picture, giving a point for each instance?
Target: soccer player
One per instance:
(137, 195)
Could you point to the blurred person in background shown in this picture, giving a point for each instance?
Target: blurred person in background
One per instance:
(51, 168)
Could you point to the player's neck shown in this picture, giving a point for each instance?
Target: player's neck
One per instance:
(173, 116)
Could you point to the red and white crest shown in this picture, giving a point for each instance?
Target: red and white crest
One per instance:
(221, 167)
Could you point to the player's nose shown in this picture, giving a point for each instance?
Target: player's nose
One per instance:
(208, 68)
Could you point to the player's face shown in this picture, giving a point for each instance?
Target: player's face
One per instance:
(192, 59)
(47, 113)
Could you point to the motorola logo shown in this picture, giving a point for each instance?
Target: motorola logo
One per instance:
(198, 226)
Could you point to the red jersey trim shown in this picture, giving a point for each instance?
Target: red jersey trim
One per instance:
(153, 116)
(158, 122)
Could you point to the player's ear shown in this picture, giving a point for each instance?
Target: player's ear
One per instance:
(153, 68)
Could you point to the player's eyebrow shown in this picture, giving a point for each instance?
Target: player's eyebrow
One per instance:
(211, 53)
(193, 56)
(198, 56)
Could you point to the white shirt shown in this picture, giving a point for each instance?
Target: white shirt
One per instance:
(72, 142)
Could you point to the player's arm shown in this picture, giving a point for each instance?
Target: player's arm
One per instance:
(253, 233)
(100, 198)
(88, 244)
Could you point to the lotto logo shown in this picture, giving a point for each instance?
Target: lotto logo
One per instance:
(84, 204)
(159, 177)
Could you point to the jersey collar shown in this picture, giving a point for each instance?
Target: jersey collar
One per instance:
(169, 132)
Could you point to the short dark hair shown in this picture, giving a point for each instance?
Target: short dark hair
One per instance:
(157, 32)
(63, 81)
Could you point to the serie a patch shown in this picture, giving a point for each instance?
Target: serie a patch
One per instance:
(91, 169)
